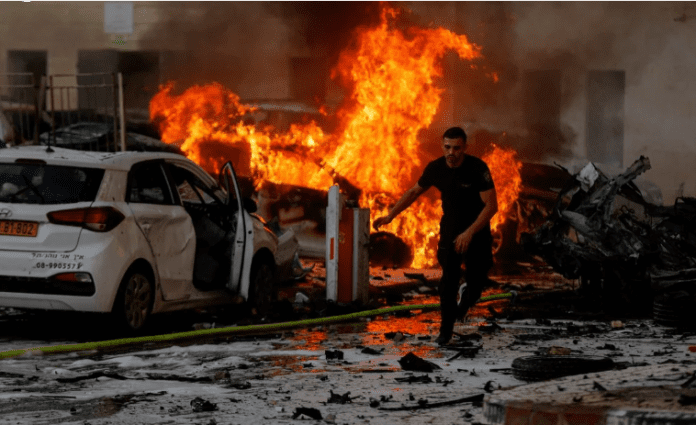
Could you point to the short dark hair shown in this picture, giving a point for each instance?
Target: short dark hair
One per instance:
(455, 133)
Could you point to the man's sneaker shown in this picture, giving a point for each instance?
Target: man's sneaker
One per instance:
(443, 338)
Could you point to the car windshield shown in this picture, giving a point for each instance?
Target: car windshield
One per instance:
(48, 184)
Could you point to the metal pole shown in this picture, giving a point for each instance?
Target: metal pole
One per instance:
(114, 96)
(53, 116)
(121, 112)
(40, 104)
(333, 216)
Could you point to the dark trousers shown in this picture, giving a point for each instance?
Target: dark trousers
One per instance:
(478, 260)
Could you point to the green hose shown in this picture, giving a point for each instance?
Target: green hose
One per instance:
(122, 342)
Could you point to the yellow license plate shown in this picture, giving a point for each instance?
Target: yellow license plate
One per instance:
(18, 228)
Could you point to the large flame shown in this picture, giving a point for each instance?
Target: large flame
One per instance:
(505, 171)
(392, 76)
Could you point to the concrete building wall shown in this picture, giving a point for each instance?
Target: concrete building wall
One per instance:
(654, 43)
(64, 28)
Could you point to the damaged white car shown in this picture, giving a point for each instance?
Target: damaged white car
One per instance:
(132, 234)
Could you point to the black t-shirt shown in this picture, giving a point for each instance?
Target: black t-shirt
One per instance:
(460, 188)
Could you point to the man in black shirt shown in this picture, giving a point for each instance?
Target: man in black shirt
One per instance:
(468, 204)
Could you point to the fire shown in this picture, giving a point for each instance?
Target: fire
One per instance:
(392, 78)
(505, 171)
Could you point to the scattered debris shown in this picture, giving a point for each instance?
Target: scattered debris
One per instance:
(491, 386)
(465, 351)
(687, 399)
(93, 375)
(180, 378)
(340, 398)
(200, 405)
(493, 327)
(445, 382)
(301, 298)
(597, 386)
(412, 362)
(539, 368)
(239, 385)
(310, 412)
(477, 398)
(395, 336)
(617, 324)
(554, 350)
(424, 379)
(334, 354)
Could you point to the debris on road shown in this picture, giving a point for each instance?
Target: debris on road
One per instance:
(310, 412)
(340, 398)
(200, 405)
(412, 362)
(423, 379)
(333, 354)
(425, 404)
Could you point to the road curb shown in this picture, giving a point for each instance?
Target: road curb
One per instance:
(521, 413)
(552, 402)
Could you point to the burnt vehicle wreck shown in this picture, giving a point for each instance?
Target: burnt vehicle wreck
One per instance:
(626, 251)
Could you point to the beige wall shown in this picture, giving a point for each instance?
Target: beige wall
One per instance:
(64, 28)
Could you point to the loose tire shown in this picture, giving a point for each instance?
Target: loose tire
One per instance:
(541, 368)
(261, 287)
(133, 304)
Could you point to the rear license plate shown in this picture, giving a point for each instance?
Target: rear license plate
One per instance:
(18, 228)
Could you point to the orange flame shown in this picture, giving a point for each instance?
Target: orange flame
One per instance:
(505, 171)
(392, 77)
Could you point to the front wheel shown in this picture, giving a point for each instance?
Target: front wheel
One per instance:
(133, 304)
(261, 288)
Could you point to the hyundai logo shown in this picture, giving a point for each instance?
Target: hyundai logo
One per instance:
(6, 213)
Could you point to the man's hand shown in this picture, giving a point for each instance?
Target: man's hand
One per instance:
(381, 221)
(461, 244)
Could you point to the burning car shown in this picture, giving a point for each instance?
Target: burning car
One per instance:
(611, 232)
(130, 233)
(540, 186)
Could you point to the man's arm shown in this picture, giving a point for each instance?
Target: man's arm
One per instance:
(490, 200)
(404, 202)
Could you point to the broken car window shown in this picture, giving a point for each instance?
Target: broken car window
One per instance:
(147, 185)
(191, 189)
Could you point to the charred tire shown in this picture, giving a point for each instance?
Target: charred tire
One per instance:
(677, 309)
(541, 368)
(134, 301)
(262, 285)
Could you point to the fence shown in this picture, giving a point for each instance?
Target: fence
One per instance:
(82, 111)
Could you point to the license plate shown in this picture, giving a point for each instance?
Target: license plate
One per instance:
(18, 228)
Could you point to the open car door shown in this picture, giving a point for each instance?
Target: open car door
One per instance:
(228, 180)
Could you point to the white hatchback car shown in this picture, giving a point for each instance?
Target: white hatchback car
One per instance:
(129, 233)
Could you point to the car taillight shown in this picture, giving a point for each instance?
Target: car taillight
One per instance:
(99, 219)
(79, 283)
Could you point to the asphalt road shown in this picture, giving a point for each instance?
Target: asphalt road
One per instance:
(274, 378)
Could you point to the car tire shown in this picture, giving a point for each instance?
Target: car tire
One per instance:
(261, 286)
(541, 368)
(134, 300)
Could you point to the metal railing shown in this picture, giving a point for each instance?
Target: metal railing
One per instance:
(18, 103)
(79, 111)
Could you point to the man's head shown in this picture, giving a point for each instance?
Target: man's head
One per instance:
(453, 146)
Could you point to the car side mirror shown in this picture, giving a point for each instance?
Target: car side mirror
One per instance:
(249, 205)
